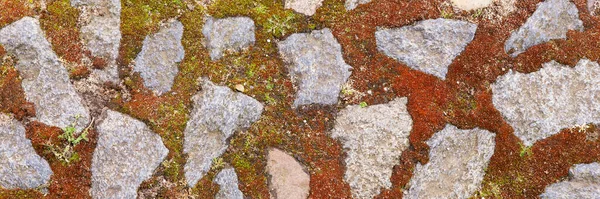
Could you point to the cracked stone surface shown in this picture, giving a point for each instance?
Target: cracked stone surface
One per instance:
(232, 34)
(351, 4)
(100, 23)
(571, 98)
(127, 153)
(316, 66)
(288, 180)
(228, 182)
(217, 114)
(374, 138)
(45, 80)
(429, 46)
(161, 53)
(20, 166)
(551, 20)
(457, 162)
(306, 7)
(583, 182)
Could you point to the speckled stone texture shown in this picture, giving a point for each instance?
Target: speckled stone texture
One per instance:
(457, 162)
(429, 46)
(316, 66)
(217, 114)
(20, 166)
(231, 34)
(351, 4)
(374, 138)
(45, 80)
(540, 104)
(306, 7)
(551, 20)
(471, 4)
(228, 185)
(287, 178)
(127, 153)
(161, 53)
(583, 182)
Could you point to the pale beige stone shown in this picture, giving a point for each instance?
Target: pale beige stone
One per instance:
(471, 4)
(288, 180)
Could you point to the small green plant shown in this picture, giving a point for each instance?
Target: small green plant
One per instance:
(477, 13)
(363, 104)
(446, 15)
(525, 150)
(65, 151)
(278, 26)
(218, 163)
(261, 9)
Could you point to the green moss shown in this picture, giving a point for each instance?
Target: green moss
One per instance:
(60, 24)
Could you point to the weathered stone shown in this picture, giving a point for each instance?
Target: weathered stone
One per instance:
(20, 166)
(217, 114)
(472, 4)
(45, 80)
(429, 46)
(307, 7)
(374, 138)
(230, 34)
(316, 66)
(583, 182)
(127, 153)
(540, 104)
(351, 4)
(593, 7)
(552, 20)
(160, 55)
(288, 180)
(457, 162)
(228, 182)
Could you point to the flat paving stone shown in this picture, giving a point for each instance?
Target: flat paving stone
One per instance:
(217, 114)
(374, 138)
(127, 153)
(429, 46)
(287, 180)
(539, 104)
(316, 66)
(20, 166)
(158, 61)
(228, 182)
(583, 182)
(551, 20)
(232, 34)
(45, 80)
(457, 162)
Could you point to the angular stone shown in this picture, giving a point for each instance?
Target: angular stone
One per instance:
(583, 182)
(429, 46)
(316, 66)
(457, 162)
(230, 34)
(471, 4)
(45, 80)
(374, 138)
(351, 4)
(551, 20)
(218, 113)
(160, 55)
(540, 104)
(288, 180)
(228, 182)
(20, 166)
(127, 153)
(307, 7)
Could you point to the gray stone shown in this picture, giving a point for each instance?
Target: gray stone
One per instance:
(127, 153)
(160, 55)
(457, 163)
(374, 138)
(45, 80)
(429, 46)
(217, 114)
(316, 66)
(288, 180)
(307, 7)
(228, 182)
(351, 4)
(540, 104)
(231, 34)
(20, 166)
(551, 20)
(583, 182)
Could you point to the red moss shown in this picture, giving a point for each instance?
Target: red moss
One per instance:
(59, 22)
(12, 10)
(79, 72)
(12, 97)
